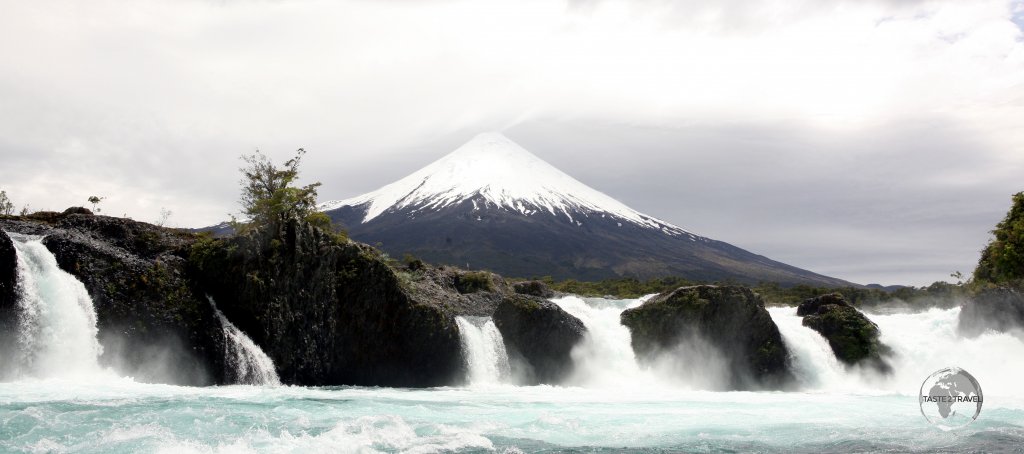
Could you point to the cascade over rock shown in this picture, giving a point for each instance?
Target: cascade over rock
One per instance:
(245, 362)
(146, 306)
(326, 311)
(731, 319)
(853, 338)
(1000, 309)
(540, 333)
(484, 351)
(330, 311)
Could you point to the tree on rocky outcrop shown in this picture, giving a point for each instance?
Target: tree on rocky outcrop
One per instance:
(269, 194)
(6, 207)
(95, 201)
(1002, 261)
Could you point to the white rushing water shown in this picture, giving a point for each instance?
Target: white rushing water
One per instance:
(611, 405)
(605, 358)
(814, 364)
(921, 343)
(246, 362)
(484, 350)
(928, 341)
(57, 321)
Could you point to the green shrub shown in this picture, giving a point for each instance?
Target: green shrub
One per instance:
(473, 281)
(1002, 261)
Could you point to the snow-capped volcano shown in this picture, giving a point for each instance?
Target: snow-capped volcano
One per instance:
(494, 171)
(492, 204)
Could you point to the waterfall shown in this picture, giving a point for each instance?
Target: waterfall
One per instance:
(245, 362)
(605, 356)
(814, 363)
(484, 350)
(928, 341)
(57, 321)
(921, 342)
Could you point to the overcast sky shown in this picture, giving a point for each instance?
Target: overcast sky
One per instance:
(875, 141)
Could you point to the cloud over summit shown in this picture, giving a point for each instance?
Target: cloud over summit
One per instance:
(845, 137)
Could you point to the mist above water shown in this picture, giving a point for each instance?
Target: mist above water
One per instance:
(921, 343)
(58, 336)
(610, 401)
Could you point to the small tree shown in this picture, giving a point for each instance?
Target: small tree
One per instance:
(95, 201)
(1002, 261)
(268, 194)
(164, 215)
(6, 207)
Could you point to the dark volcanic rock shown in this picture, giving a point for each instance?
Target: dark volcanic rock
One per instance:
(731, 319)
(78, 210)
(332, 312)
(853, 338)
(474, 293)
(8, 296)
(8, 272)
(541, 333)
(152, 323)
(1000, 309)
(326, 310)
(533, 288)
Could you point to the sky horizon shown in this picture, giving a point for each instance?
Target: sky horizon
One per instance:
(875, 141)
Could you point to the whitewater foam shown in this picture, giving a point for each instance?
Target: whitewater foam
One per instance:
(484, 351)
(245, 362)
(57, 320)
(814, 364)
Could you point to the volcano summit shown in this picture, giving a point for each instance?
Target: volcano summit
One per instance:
(492, 204)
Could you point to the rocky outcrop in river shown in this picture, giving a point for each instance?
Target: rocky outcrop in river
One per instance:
(329, 311)
(854, 339)
(731, 319)
(8, 296)
(541, 334)
(154, 324)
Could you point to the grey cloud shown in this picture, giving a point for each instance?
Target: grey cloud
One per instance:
(913, 202)
(151, 103)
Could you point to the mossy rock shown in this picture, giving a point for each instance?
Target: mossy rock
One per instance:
(533, 288)
(540, 333)
(329, 312)
(732, 319)
(853, 337)
(473, 281)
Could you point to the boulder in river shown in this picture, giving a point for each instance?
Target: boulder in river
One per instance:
(540, 333)
(732, 320)
(853, 337)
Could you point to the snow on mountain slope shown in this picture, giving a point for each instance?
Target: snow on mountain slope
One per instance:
(503, 174)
